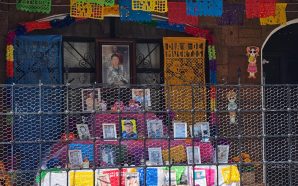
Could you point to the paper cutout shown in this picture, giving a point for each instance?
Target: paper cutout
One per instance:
(85, 10)
(259, 8)
(111, 10)
(233, 14)
(127, 14)
(160, 6)
(279, 18)
(167, 26)
(31, 26)
(9, 52)
(252, 52)
(178, 154)
(204, 7)
(81, 178)
(184, 64)
(230, 174)
(99, 2)
(38, 6)
(177, 14)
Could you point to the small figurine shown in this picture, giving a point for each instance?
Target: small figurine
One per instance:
(232, 106)
(85, 163)
(252, 52)
(103, 105)
(118, 105)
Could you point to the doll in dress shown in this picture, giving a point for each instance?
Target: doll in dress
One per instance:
(252, 52)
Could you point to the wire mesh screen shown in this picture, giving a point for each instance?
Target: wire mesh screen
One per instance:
(83, 135)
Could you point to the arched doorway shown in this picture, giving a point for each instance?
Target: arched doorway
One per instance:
(280, 56)
(279, 63)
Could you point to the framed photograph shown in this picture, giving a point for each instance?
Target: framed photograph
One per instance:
(197, 155)
(154, 128)
(205, 131)
(83, 131)
(109, 131)
(103, 180)
(165, 178)
(132, 179)
(197, 130)
(180, 129)
(91, 98)
(129, 129)
(222, 153)
(139, 95)
(155, 156)
(75, 158)
(116, 62)
(108, 155)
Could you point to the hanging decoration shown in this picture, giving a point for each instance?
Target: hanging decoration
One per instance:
(279, 18)
(160, 6)
(252, 52)
(259, 8)
(233, 14)
(177, 14)
(85, 10)
(32, 54)
(111, 10)
(60, 23)
(184, 64)
(31, 26)
(204, 7)
(99, 2)
(167, 26)
(36, 6)
(127, 14)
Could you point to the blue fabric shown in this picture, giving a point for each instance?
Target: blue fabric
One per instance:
(204, 7)
(36, 58)
(174, 27)
(127, 14)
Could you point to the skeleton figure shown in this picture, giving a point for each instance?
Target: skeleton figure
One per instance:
(232, 106)
(252, 52)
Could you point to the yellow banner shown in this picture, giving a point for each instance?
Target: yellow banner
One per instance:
(184, 64)
(279, 18)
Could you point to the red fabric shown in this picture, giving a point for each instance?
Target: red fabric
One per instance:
(31, 26)
(260, 8)
(198, 32)
(177, 14)
(9, 69)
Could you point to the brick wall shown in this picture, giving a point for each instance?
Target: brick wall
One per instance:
(231, 41)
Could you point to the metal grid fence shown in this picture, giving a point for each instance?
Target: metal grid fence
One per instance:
(138, 135)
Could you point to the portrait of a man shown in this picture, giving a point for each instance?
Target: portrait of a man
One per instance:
(109, 130)
(115, 64)
(91, 99)
(155, 156)
(75, 158)
(129, 129)
(108, 155)
(154, 128)
(83, 131)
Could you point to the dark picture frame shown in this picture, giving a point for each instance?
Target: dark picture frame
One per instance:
(121, 51)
